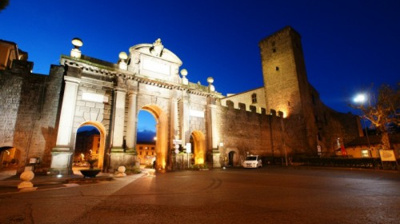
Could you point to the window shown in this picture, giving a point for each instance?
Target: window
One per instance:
(253, 98)
(273, 50)
(273, 43)
(277, 68)
(365, 153)
(313, 98)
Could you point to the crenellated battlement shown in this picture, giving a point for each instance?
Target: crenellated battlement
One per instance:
(250, 109)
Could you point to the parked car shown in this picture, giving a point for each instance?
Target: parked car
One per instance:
(252, 161)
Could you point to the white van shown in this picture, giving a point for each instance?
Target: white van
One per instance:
(252, 161)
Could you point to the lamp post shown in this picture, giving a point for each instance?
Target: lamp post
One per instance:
(360, 99)
(283, 137)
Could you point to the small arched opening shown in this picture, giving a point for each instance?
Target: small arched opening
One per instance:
(89, 145)
(233, 157)
(197, 140)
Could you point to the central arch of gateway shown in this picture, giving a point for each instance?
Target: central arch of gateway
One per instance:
(109, 97)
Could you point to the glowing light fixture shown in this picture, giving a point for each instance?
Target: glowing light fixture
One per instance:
(199, 161)
(360, 98)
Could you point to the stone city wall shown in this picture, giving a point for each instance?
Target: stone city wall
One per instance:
(10, 93)
(38, 98)
(261, 133)
(250, 132)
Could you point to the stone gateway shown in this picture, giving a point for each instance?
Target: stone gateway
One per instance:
(42, 114)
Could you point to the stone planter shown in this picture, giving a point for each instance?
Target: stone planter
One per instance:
(90, 173)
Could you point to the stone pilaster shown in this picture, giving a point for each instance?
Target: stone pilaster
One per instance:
(184, 119)
(62, 153)
(174, 127)
(67, 112)
(119, 121)
(131, 124)
(214, 135)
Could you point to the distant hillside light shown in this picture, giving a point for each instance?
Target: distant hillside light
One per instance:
(360, 98)
(122, 61)
(75, 52)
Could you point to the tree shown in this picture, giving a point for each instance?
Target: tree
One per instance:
(3, 4)
(381, 111)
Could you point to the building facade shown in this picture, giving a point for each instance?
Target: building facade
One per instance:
(309, 127)
(281, 119)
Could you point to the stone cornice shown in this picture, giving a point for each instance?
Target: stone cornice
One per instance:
(93, 68)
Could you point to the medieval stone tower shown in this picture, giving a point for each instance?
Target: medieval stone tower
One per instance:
(284, 73)
(286, 84)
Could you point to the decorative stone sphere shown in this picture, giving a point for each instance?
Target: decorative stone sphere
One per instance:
(27, 175)
(121, 169)
(184, 72)
(123, 56)
(77, 42)
(210, 80)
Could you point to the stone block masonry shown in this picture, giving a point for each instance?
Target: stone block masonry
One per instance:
(10, 93)
(30, 106)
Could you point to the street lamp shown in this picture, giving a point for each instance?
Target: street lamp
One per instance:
(360, 99)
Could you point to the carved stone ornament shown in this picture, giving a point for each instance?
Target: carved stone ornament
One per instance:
(157, 48)
(121, 82)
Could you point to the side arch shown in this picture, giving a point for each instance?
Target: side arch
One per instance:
(102, 130)
(199, 147)
(232, 157)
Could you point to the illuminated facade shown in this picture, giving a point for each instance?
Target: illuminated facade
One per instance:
(309, 127)
(109, 97)
(284, 117)
(146, 153)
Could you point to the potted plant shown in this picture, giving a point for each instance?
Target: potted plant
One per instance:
(91, 172)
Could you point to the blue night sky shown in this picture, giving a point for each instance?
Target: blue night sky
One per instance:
(348, 44)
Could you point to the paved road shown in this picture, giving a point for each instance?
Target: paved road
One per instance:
(267, 195)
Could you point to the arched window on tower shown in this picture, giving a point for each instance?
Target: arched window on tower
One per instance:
(254, 98)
